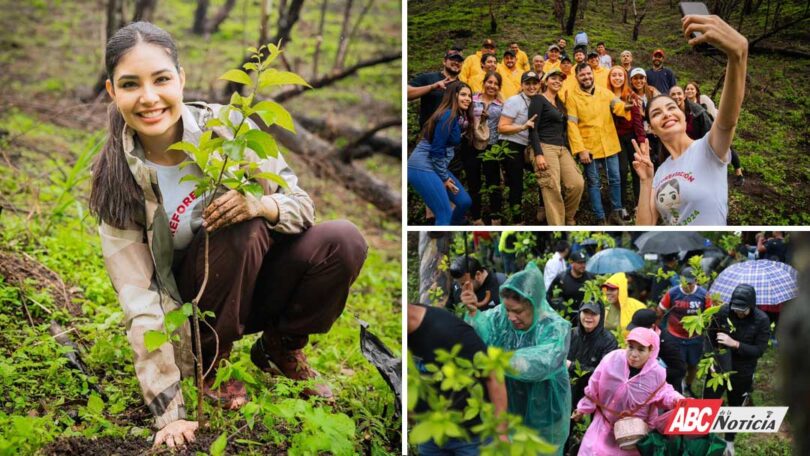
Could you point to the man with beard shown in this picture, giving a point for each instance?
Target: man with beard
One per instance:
(510, 73)
(627, 60)
(600, 73)
(579, 54)
(429, 87)
(743, 330)
(522, 63)
(659, 77)
(593, 138)
(472, 67)
(569, 285)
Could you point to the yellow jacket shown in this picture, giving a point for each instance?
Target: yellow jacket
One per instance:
(627, 305)
(511, 81)
(522, 61)
(600, 77)
(569, 84)
(590, 121)
(549, 65)
(470, 68)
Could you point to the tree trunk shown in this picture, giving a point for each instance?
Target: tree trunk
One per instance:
(347, 152)
(330, 132)
(624, 12)
(572, 17)
(198, 27)
(493, 24)
(319, 40)
(794, 338)
(559, 13)
(144, 10)
(212, 26)
(639, 16)
(433, 247)
(324, 159)
(340, 57)
(582, 8)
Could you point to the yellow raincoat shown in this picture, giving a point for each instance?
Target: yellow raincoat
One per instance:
(471, 70)
(590, 121)
(511, 81)
(522, 61)
(628, 305)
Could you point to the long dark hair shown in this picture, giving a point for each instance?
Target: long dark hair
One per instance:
(115, 196)
(449, 102)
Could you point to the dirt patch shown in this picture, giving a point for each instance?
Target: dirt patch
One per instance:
(139, 446)
(16, 268)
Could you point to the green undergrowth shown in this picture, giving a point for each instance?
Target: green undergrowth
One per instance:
(45, 221)
(771, 136)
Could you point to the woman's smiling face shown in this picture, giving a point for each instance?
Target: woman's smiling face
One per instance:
(666, 117)
(492, 86)
(617, 78)
(147, 89)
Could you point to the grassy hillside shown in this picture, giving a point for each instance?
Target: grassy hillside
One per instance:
(771, 137)
(51, 266)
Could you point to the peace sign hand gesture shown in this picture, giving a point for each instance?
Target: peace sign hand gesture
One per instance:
(641, 162)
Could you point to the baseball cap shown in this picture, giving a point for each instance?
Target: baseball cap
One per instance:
(743, 297)
(643, 318)
(688, 274)
(508, 52)
(637, 72)
(593, 54)
(593, 306)
(529, 75)
(552, 72)
(488, 43)
(658, 51)
(454, 55)
(553, 46)
(578, 256)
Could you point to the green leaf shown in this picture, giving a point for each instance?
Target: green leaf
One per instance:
(187, 309)
(420, 433)
(274, 78)
(236, 99)
(273, 177)
(184, 146)
(254, 189)
(273, 113)
(218, 447)
(95, 404)
(234, 149)
(174, 320)
(213, 123)
(154, 339)
(237, 76)
(261, 143)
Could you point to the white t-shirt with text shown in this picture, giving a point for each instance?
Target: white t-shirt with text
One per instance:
(182, 206)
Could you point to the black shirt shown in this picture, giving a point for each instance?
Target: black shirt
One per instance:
(490, 284)
(570, 288)
(429, 102)
(775, 249)
(442, 329)
(550, 126)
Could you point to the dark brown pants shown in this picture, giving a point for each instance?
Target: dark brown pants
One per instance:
(259, 280)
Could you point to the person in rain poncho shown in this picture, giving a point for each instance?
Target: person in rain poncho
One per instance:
(621, 307)
(538, 389)
(627, 380)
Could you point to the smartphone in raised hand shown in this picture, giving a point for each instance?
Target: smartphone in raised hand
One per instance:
(698, 9)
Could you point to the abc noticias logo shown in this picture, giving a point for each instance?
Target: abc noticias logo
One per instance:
(702, 416)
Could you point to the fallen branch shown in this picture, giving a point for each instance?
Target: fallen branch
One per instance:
(346, 152)
(331, 131)
(778, 51)
(324, 159)
(334, 77)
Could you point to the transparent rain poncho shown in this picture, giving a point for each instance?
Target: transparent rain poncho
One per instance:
(539, 389)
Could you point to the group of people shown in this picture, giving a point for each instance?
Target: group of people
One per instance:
(567, 359)
(560, 118)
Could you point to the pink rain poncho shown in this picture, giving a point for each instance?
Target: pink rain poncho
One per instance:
(614, 391)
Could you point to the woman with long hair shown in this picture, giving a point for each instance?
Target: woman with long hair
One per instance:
(487, 107)
(645, 93)
(627, 384)
(560, 180)
(427, 165)
(692, 92)
(690, 187)
(271, 269)
(628, 127)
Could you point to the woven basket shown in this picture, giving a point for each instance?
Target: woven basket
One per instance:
(628, 431)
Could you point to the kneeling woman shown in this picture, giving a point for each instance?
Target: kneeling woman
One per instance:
(271, 270)
(690, 187)
(627, 383)
(427, 165)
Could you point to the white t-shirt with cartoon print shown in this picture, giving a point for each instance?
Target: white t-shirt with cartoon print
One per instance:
(693, 190)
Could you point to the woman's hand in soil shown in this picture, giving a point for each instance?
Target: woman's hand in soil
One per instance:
(716, 32)
(642, 163)
(176, 433)
(234, 207)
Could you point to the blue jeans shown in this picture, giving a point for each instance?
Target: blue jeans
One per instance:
(438, 198)
(457, 447)
(594, 184)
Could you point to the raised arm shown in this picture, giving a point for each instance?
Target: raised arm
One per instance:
(646, 213)
(719, 34)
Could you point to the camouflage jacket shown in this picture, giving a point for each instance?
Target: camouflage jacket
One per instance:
(139, 262)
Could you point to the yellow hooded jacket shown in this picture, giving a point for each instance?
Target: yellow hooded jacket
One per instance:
(590, 121)
(511, 81)
(471, 69)
(628, 305)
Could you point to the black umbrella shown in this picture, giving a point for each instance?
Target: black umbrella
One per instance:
(665, 242)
